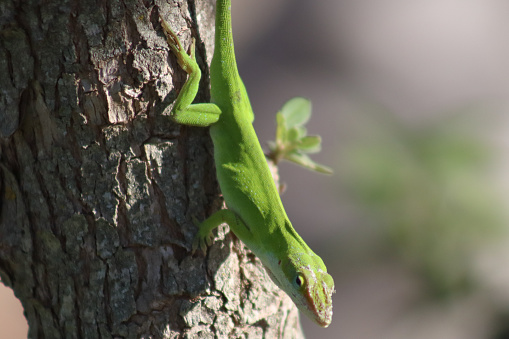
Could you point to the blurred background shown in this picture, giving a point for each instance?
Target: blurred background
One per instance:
(411, 100)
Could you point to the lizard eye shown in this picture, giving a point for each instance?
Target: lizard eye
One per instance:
(299, 280)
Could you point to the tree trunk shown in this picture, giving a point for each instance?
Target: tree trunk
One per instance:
(99, 188)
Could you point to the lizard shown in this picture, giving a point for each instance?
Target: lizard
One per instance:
(255, 213)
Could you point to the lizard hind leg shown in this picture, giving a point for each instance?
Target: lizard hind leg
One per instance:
(184, 111)
(201, 115)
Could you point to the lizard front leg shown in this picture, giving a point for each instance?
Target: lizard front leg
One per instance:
(237, 226)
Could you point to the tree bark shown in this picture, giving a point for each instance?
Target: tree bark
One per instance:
(98, 187)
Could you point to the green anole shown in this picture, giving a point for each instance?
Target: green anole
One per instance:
(255, 212)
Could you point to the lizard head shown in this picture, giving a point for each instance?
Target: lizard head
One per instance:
(306, 281)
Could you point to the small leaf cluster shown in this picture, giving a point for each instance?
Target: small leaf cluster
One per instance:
(292, 142)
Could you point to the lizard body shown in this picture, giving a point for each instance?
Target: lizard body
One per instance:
(255, 212)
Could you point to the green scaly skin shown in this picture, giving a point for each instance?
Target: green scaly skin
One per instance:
(255, 212)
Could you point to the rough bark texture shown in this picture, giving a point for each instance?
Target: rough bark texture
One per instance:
(98, 187)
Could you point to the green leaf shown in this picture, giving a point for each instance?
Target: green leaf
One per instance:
(310, 144)
(306, 162)
(297, 111)
(302, 131)
(281, 128)
(292, 141)
(293, 135)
